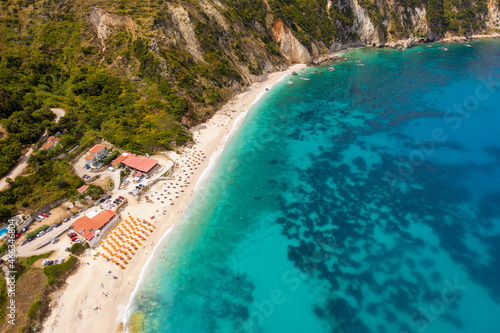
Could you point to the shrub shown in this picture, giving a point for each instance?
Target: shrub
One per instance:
(36, 231)
(27, 262)
(55, 272)
(77, 249)
(35, 306)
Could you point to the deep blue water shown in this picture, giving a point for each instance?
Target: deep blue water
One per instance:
(364, 200)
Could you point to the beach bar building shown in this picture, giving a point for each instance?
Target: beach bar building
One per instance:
(144, 165)
(88, 228)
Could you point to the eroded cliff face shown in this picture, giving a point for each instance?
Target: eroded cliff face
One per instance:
(493, 14)
(292, 49)
(231, 43)
(106, 23)
(363, 26)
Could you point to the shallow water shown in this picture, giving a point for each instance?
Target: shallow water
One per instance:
(363, 200)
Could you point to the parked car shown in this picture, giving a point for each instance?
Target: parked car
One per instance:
(50, 262)
(45, 262)
(55, 240)
(45, 215)
(66, 219)
(29, 239)
(49, 229)
(41, 233)
(84, 176)
(41, 217)
(71, 235)
(67, 249)
(58, 224)
(23, 242)
(17, 236)
(61, 261)
(37, 219)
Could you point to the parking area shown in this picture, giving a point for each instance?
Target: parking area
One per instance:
(61, 218)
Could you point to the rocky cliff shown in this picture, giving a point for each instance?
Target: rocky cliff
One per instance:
(177, 61)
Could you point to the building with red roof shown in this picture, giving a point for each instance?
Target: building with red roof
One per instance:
(95, 154)
(87, 227)
(140, 164)
(118, 161)
(49, 145)
(91, 160)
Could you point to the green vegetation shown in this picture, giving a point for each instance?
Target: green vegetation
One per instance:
(28, 262)
(124, 173)
(3, 248)
(310, 20)
(108, 159)
(3, 296)
(34, 307)
(77, 249)
(56, 273)
(36, 231)
(142, 87)
(54, 180)
(94, 191)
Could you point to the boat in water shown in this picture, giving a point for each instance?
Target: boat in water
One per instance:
(305, 78)
(331, 69)
(443, 48)
(290, 82)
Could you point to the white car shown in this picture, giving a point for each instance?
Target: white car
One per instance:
(45, 262)
(40, 217)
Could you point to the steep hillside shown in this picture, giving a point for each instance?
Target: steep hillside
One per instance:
(139, 73)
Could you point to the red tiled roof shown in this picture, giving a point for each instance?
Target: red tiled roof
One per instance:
(104, 217)
(48, 145)
(144, 164)
(55, 139)
(96, 149)
(84, 224)
(118, 160)
(50, 138)
(89, 157)
(138, 174)
(82, 189)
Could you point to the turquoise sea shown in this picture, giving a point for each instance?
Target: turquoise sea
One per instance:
(364, 200)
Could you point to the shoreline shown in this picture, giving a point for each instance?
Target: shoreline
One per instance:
(93, 285)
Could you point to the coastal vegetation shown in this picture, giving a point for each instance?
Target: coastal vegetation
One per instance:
(34, 286)
(55, 273)
(143, 80)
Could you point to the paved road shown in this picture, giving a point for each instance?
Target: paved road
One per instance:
(24, 159)
(17, 170)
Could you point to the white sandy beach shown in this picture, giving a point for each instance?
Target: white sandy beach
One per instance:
(74, 309)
